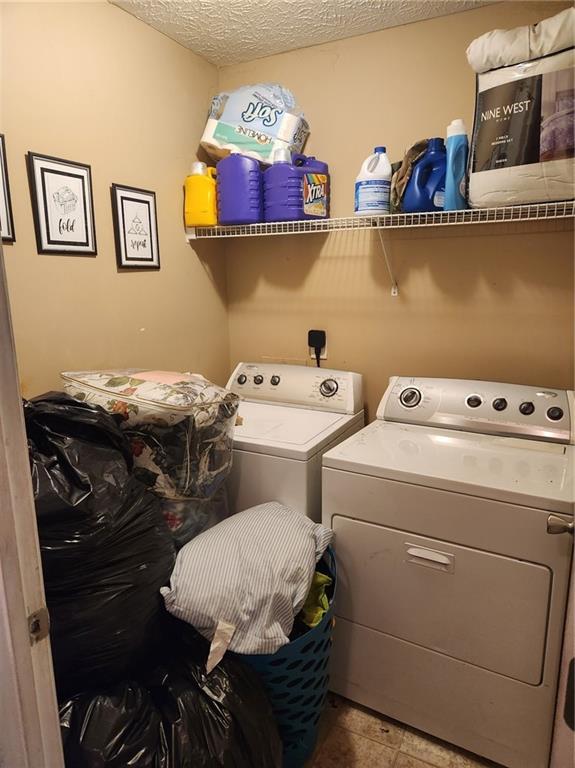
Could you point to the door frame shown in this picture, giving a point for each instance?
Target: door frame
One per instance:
(29, 723)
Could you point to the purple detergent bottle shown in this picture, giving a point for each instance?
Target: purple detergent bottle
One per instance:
(239, 190)
(425, 189)
(296, 187)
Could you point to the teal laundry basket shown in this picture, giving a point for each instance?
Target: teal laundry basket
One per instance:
(296, 678)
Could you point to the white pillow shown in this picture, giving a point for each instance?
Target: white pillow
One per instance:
(250, 574)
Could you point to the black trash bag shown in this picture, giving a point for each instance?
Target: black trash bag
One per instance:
(117, 728)
(220, 720)
(78, 454)
(105, 547)
(176, 716)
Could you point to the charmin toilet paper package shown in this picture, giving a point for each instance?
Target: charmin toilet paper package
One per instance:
(522, 149)
(254, 120)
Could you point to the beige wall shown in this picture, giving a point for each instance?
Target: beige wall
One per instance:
(473, 303)
(88, 82)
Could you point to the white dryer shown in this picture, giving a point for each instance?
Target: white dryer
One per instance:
(289, 416)
(453, 515)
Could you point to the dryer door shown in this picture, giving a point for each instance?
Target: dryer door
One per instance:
(481, 608)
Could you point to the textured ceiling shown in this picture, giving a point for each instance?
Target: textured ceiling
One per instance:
(232, 31)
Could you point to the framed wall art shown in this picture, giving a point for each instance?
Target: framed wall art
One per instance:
(135, 227)
(62, 205)
(6, 219)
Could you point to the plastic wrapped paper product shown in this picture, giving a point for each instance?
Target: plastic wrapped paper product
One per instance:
(180, 427)
(105, 547)
(523, 146)
(255, 120)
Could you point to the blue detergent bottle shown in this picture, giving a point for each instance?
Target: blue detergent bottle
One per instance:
(425, 191)
(457, 150)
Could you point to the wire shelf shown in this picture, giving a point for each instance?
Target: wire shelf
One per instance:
(534, 212)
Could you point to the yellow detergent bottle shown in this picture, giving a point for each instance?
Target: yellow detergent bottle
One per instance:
(200, 197)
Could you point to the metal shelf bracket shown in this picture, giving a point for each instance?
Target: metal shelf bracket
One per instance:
(388, 264)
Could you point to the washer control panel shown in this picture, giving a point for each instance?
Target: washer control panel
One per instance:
(481, 406)
(297, 385)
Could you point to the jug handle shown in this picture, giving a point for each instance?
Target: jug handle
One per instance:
(211, 172)
(418, 171)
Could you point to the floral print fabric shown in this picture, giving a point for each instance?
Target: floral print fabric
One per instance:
(180, 427)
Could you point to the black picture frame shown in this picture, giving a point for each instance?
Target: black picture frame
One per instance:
(135, 227)
(6, 216)
(62, 205)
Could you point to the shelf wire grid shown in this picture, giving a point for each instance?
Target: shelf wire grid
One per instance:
(532, 212)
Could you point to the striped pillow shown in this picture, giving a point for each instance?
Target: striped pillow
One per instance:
(252, 571)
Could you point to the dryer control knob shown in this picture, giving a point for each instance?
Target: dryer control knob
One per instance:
(555, 413)
(410, 397)
(275, 380)
(474, 401)
(258, 379)
(328, 387)
(500, 403)
(526, 408)
(242, 378)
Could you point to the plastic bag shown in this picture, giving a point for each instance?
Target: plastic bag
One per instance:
(190, 517)
(118, 728)
(105, 547)
(217, 720)
(178, 717)
(255, 120)
(180, 428)
(180, 425)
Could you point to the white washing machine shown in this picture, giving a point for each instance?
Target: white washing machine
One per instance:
(453, 515)
(289, 416)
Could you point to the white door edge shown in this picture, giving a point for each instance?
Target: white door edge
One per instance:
(29, 725)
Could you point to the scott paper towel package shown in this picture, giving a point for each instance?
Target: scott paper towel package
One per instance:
(254, 120)
(523, 148)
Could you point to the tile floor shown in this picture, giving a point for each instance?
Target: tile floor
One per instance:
(354, 737)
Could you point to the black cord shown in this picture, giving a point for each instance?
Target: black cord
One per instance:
(316, 340)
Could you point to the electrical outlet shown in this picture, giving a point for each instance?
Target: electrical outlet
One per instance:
(323, 355)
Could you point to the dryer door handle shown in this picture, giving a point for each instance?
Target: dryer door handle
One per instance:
(430, 557)
(556, 524)
(428, 554)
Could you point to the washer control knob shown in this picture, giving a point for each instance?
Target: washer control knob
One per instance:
(526, 408)
(499, 404)
(555, 413)
(474, 401)
(242, 378)
(258, 379)
(410, 397)
(275, 380)
(328, 387)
